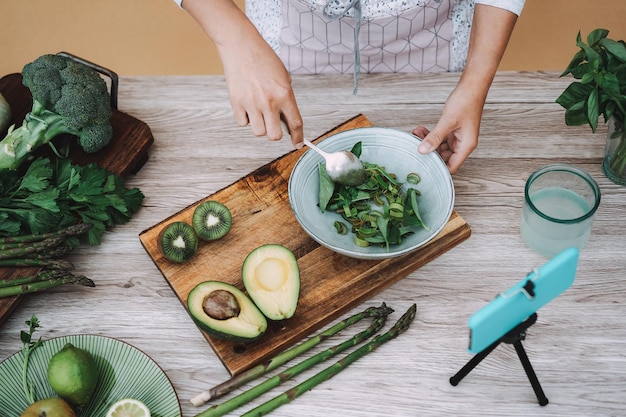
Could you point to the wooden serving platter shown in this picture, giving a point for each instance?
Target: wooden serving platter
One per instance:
(331, 284)
(124, 155)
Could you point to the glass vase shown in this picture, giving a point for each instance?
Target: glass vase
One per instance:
(614, 163)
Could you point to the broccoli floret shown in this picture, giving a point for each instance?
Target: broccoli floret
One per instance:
(68, 97)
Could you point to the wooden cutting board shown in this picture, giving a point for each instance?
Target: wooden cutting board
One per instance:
(331, 284)
(125, 154)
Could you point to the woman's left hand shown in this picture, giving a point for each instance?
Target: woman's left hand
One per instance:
(456, 134)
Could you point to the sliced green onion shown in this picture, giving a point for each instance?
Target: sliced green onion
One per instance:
(413, 178)
(342, 229)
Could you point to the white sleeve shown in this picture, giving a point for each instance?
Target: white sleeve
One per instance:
(179, 3)
(514, 6)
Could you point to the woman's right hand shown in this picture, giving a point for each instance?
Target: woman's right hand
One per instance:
(260, 91)
(259, 85)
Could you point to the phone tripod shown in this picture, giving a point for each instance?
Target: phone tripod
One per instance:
(514, 337)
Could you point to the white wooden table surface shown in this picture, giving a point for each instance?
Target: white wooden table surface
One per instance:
(577, 347)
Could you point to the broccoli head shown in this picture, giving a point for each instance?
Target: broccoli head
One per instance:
(68, 97)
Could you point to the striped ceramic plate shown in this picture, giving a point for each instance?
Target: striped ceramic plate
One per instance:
(124, 372)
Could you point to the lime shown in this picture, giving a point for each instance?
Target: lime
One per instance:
(73, 375)
(128, 407)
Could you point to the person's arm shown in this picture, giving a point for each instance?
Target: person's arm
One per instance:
(456, 134)
(258, 82)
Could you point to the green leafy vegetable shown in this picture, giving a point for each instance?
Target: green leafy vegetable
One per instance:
(53, 195)
(27, 350)
(379, 211)
(327, 187)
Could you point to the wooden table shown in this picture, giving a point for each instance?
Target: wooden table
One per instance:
(577, 346)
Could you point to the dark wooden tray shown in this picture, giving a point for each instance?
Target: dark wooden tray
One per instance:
(331, 284)
(124, 155)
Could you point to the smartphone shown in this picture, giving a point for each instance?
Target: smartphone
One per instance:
(512, 307)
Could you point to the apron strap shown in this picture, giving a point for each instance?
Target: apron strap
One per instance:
(356, 6)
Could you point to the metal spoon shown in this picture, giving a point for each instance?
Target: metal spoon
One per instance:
(343, 167)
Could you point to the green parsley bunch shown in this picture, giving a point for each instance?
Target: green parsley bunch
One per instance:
(51, 195)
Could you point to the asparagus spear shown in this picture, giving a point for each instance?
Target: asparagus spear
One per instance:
(73, 230)
(282, 358)
(44, 284)
(401, 325)
(247, 396)
(31, 248)
(41, 249)
(39, 276)
(37, 261)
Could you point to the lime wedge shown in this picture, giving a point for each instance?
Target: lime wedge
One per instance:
(128, 407)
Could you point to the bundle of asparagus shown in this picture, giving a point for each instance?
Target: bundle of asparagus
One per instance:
(378, 316)
(43, 251)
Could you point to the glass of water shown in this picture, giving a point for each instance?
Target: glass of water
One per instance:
(560, 201)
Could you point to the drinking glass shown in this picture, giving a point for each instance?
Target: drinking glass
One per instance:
(560, 201)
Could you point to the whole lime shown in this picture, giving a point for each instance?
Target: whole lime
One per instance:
(73, 375)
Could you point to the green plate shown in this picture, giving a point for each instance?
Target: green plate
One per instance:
(124, 372)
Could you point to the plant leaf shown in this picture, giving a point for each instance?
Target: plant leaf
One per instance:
(593, 109)
(37, 176)
(615, 48)
(574, 64)
(596, 36)
(357, 148)
(593, 57)
(45, 199)
(574, 94)
(327, 187)
(576, 115)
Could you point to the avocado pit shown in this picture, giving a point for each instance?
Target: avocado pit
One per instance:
(225, 312)
(221, 305)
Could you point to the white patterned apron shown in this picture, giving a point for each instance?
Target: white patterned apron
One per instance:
(318, 37)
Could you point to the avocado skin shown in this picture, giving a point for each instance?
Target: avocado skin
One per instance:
(220, 328)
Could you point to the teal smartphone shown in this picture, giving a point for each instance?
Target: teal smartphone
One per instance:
(512, 307)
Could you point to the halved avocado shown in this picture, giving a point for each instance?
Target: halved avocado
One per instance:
(271, 276)
(225, 312)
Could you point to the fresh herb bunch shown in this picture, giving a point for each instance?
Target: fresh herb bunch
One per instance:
(600, 65)
(50, 196)
(29, 346)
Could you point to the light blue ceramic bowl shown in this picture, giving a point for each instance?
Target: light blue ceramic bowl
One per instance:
(397, 152)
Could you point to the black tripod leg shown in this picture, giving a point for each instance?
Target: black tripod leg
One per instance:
(530, 372)
(454, 380)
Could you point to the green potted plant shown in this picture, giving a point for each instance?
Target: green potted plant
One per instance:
(600, 67)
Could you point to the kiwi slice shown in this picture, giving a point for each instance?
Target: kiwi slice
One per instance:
(211, 220)
(179, 242)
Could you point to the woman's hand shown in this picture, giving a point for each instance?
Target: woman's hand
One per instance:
(258, 83)
(456, 134)
(260, 91)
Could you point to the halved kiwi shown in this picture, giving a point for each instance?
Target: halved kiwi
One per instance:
(178, 242)
(211, 220)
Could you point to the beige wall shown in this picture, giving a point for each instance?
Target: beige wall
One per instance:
(146, 37)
